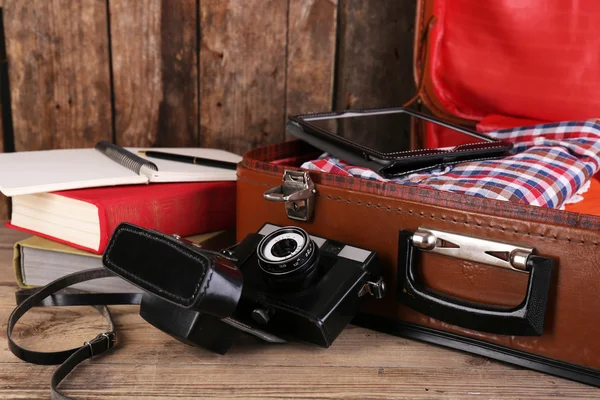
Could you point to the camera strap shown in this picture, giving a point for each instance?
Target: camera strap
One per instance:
(47, 296)
(69, 359)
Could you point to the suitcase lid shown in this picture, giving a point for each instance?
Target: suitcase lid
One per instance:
(525, 59)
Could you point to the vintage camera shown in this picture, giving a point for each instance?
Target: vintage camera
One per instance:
(277, 284)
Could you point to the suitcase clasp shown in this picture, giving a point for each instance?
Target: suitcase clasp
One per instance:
(297, 192)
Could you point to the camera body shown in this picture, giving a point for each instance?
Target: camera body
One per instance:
(318, 302)
(276, 284)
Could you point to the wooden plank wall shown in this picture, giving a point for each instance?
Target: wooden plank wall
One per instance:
(6, 135)
(218, 73)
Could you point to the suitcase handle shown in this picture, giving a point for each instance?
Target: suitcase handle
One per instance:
(526, 319)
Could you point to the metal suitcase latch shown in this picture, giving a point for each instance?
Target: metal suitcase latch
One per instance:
(482, 251)
(297, 192)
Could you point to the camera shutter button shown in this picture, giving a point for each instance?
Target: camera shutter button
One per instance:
(261, 315)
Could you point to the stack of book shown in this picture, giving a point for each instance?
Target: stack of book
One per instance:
(71, 201)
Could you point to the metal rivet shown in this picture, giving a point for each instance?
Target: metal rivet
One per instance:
(518, 259)
(424, 240)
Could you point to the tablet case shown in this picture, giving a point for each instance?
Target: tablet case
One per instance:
(509, 281)
(391, 165)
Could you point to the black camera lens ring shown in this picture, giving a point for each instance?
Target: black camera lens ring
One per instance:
(276, 264)
(291, 266)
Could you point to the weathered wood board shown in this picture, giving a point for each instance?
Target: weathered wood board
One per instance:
(3, 199)
(155, 72)
(311, 56)
(375, 61)
(242, 73)
(187, 73)
(58, 56)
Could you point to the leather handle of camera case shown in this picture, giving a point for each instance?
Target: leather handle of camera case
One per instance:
(526, 319)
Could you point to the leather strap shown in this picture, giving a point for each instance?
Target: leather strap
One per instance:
(80, 299)
(46, 296)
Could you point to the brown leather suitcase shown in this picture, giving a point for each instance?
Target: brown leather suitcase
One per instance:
(539, 305)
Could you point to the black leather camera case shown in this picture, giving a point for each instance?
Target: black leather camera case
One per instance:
(174, 270)
(188, 291)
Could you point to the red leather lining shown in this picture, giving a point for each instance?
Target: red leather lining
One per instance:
(532, 59)
(438, 136)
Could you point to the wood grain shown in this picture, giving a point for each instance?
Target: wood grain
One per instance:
(4, 206)
(3, 199)
(184, 381)
(387, 351)
(8, 237)
(155, 72)
(311, 56)
(59, 73)
(375, 60)
(375, 53)
(150, 364)
(242, 73)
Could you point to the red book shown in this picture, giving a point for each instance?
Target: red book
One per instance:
(86, 218)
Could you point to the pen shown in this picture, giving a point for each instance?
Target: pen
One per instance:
(189, 159)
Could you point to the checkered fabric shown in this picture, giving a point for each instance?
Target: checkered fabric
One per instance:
(550, 165)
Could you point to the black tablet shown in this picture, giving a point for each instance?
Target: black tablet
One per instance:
(369, 138)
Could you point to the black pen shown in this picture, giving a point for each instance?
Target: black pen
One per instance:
(189, 159)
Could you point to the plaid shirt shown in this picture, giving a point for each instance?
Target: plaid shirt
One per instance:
(550, 165)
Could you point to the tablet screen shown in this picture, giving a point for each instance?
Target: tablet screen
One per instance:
(387, 131)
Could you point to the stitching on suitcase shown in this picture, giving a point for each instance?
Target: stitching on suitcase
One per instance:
(455, 220)
(441, 218)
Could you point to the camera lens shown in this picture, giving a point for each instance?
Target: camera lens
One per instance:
(284, 248)
(288, 258)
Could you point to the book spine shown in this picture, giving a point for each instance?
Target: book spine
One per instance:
(185, 214)
(17, 266)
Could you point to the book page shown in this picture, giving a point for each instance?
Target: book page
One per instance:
(173, 171)
(51, 170)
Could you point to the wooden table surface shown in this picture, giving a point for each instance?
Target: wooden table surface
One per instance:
(147, 363)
